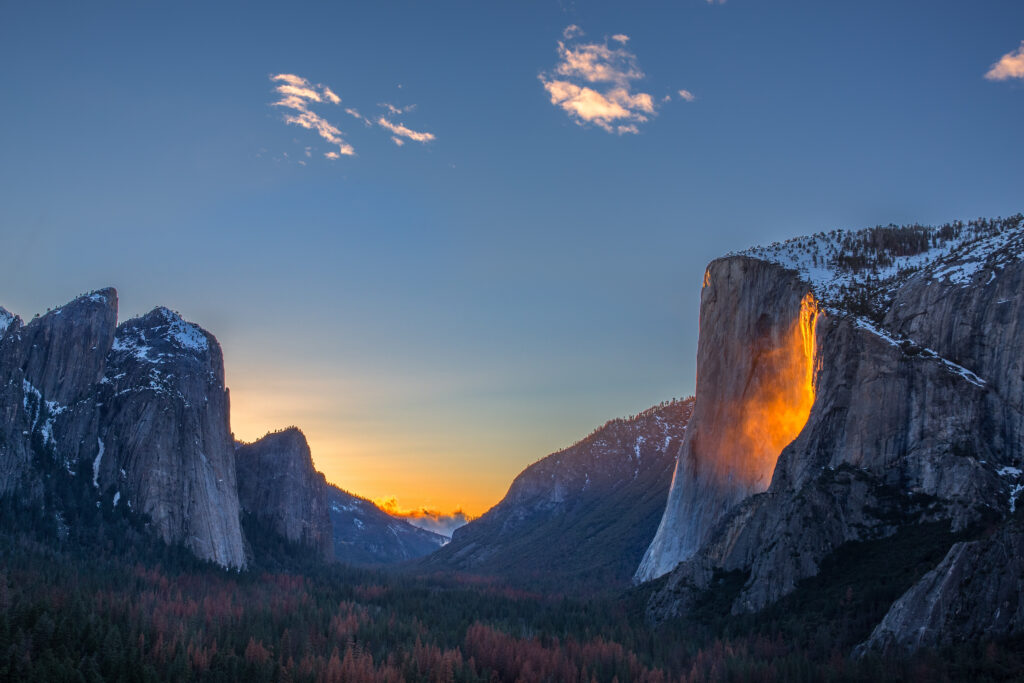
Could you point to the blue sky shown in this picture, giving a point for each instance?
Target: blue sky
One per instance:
(439, 314)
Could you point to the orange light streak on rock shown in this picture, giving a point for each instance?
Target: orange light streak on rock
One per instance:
(777, 408)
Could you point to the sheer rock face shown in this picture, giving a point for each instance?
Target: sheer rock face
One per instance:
(278, 484)
(165, 435)
(916, 417)
(751, 357)
(579, 518)
(366, 535)
(49, 371)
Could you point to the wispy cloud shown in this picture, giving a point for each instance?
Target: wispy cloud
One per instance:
(401, 131)
(593, 84)
(329, 94)
(687, 95)
(354, 113)
(296, 94)
(1010, 65)
(397, 110)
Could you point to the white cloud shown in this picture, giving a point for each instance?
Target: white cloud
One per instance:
(1010, 65)
(329, 94)
(397, 110)
(398, 141)
(297, 93)
(592, 83)
(400, 130)
(291, 79)
(687, 95)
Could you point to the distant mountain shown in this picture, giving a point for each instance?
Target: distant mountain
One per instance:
(366, 535)
(858, 388)
(581, 518)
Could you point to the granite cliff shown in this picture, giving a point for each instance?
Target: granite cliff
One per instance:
(278, 485)
(912, 368)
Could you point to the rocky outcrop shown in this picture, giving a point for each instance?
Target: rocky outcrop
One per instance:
(975, 593)
(916, 415)
(278, 485)
(366, 535)
(164, 443)
(580, 518)
(49, 370)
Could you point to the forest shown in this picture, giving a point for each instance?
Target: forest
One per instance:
(111, 605)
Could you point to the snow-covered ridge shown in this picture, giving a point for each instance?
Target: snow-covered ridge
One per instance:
(855, 269)
(137, 338)
(184, 334)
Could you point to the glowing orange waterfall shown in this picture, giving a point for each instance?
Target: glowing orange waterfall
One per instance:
(755, 389)
(777, 406)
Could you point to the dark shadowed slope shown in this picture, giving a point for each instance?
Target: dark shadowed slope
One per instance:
(366, 535)
(581, 518)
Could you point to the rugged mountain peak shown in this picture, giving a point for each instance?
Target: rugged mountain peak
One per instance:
(161, 335)
(278, 485)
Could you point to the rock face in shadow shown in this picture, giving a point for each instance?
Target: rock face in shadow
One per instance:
(916, 417)
(580, 518)
(976, 592)
(278, 485)
(366, 535)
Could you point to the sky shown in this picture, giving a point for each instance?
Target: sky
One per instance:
(446, 239)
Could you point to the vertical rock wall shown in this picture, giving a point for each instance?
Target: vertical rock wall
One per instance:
(755, 371)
